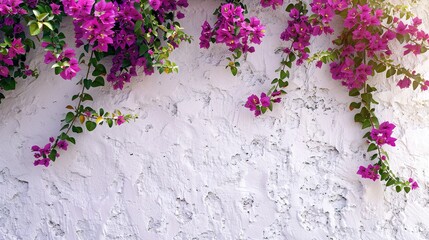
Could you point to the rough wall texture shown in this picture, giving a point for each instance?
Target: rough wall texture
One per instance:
(197, 165)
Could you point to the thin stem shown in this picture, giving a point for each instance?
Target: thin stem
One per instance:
(379, 149)
(80, 100)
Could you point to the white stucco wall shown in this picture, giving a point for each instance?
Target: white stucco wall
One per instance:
(198, 165)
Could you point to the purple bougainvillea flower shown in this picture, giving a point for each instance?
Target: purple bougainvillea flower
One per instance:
(383, 135)
(4, 71)
(49, 57)
(120, 120)
(68, 53)
(55, 8)
(265, 100)
(370, 172)
(18, 28)
(252, 102)
(272, 3)
(35, 148)
(70, 72)
(404, 83)
(62, 145)
(155, 4)
(414, 185)
(16, 48)
(180, 15)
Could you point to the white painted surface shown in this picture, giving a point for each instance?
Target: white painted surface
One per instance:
(197, 165)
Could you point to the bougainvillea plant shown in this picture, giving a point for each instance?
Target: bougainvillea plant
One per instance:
(362, 49)
(128, 35)
(132, 34)
(234, 30)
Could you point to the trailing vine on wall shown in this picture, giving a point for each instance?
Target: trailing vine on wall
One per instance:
(141, 34)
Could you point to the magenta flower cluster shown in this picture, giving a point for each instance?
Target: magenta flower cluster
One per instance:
(11, 7)
(360, 20)
(256, 104)
(66, 59)
(13, 48)
(325, 9)
(41, 153)
(134, 33)
(383, 134)
(163, 7)
(370, 172)
(413, 30)
(299, 32)
(95, 27)
(112, 26)
(233, 30)
(16, 48)
(414, 184)
(271, 3)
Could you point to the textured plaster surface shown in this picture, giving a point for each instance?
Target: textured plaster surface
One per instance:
(197, 165)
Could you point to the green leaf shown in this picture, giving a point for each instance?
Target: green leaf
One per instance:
(64, 136)
(407, 189)
(367, 97)
(367, 135)
(390, 72)
(99, 70)
(359, 118)
(390, 182)
(415, 85)
(372, 147)
(355, 105)
(90, 125)
(354, 92)
(34, 29)
(49, 25)
(234, 71)
(58, 70)
(109, 122)
(239, 53)
(8, 84)
(375, 121)
(65, 127)
(366, 124)
(75, 96)
(86, 97)
(292, 57)
(87, 83)
(53, 155)
(380, 68)
(77, 129)
(42, 16)
(398, 188)
(36, 13)
(69, 117)
(283, 74)
(98, 82)
(72, 140)
(283, 84)
(138, 27)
